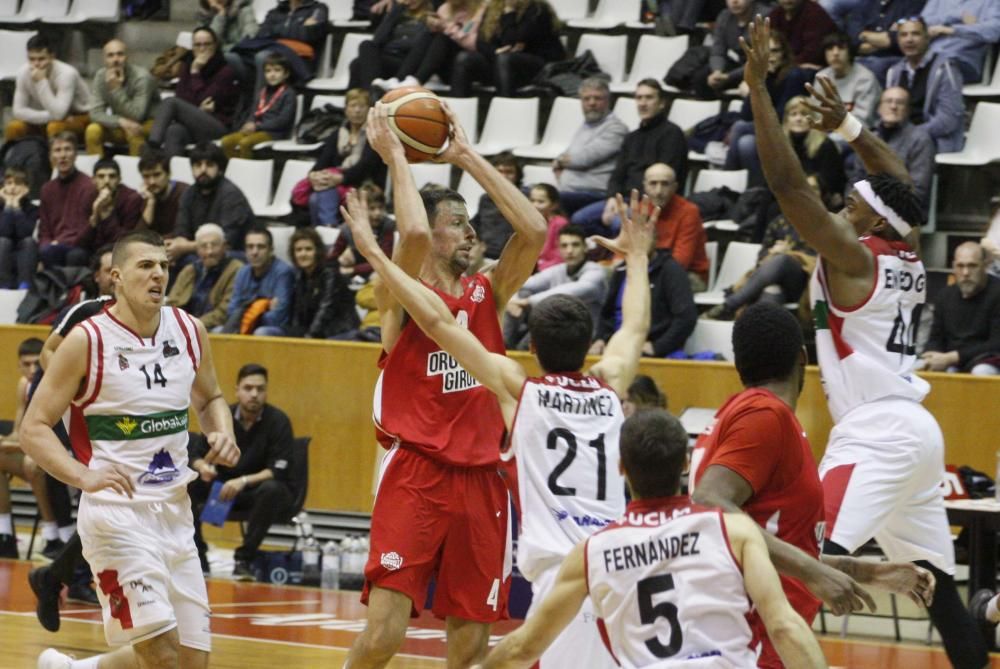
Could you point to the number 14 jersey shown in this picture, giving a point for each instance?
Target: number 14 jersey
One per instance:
(565, 437)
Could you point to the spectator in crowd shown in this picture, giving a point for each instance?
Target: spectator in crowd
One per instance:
(232, 21)
(673, 313)
(259, 481)
(584, 168)
(124, 100)
(934, 84)
(212, 199)
(161, 196)
(679, 228)
(370, 327)
(296, 29)
(873, 29)
(855, 83)
(962, 31)
(395, 38)
(657, 140)
(784, 81)
(323, 304)
(575, 275)
(271, 116)
(50, 96)
(516, 38)
(910, 142)
(725, 63)
(815, 150)
(205, 99)
(965, 335)
(18, 218)
(262, 297)
(489, 223)
(66, 203)
(841, 10)
(452, 29)
(643, 393)
(803, 23)
(117, 208)
(205, 287)
(545, 197)
(345, 161)
(345, 252)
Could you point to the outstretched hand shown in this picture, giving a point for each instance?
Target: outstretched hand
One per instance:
(830, 109)
(638, 220)
(901, 578)
(757, 51)
(356, 216)
(839, 592)
(380, 136)
(458, 141)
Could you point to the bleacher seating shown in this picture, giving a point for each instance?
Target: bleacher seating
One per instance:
(653, 58)
(565, 118)
(610, 53)
(84, 11)
(609, 14)
(32, 11)
(254, 178)
(293, 172)
(9, 301)
(340, 74)
(15, 51)
(740, 258)
(500, 133)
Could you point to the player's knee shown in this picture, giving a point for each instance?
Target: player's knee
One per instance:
(161, 652)
(380, 642)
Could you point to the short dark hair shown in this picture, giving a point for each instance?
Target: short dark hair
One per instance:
(767, 342)
(561, 328)
(63, 136)
(209, 152)
(151, 158)
(653, 451)
(120, 251)
(39, 42)
(30, 346)
(432, 198)
(279, 59)
(16, 173)
(206, 29)
(95, 259)
(108, 164)
(645, 394)
(900, 197)
(508, 159)
(250, 369)
(840, 39)
(309, 233)
(650, 82)
(552, 193)
(573, 231)
(259, 229)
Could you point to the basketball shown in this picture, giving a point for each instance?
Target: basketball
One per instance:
(418, 119)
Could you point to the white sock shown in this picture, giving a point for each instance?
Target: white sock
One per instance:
(49, 531)
(6, 524)
(89, 663)
(992, 614)
(66, 532)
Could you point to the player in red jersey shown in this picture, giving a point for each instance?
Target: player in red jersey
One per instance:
(756, 458)
(442, 506)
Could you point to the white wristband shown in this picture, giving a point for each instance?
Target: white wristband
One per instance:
(850, 128)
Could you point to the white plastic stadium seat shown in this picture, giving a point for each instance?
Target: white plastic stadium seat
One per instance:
(653, 58)
(292, 145)
(981, 145)
(82, 11)
(609, 14)
(39, 10)
(262, 7)
(253, 177)
(129, 166)
(470, 189)
(568, 10)
(712, 251)
(293, 172)
(539, 174)
(991, 89)
(10, 300)
(716, 336)
(281, 234)
(510, 122)
(627, 112)
(689, 113)
(85, 163)
(709, 179)
(340, 77)
(467, 111)
(180, 169)
(740, 258)
(328, 234)
(341, 14)
(565, 119)
(609, 51)
(423, 174)
(184, 38)
(8, 9)
(15, 49)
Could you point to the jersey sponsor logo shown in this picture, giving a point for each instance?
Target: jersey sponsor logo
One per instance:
(161, 470)
(904, 280)
(392, 560)
(586, 383)
(169, 350)
(821, 315)
(454, 378)
(124, 349)
(122, 362)
(653, 518)
(632, 556)
(478, 294)
(117, 428)
(586, 520)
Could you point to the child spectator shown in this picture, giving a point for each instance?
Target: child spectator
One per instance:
(545, 197)
(18, 248)
(272, 115)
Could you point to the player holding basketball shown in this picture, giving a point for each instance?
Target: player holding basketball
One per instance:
(134, 370)
(885, 458)
(564, 425)
(671, 578)
(442, 505)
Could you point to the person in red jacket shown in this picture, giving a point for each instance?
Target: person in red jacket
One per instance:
(66, 203)
(679, 227)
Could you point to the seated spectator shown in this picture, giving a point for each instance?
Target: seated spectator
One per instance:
(397, 34)
(205, 287)
(489, 223)
(270, 117)
(117, 208)
(784, 81)
(803, 23)
(50, 96)
(965, 335)
(205, 100)
(262, 297)
(725, 64)
(873, 30)
(294, 28)
(673, 313)
(934, 84)
(66, 203)
(516, 38)
(574, 275)
(161, 195)
(841, 10)
(910, 142)
(345, 161)
(657, 140)
(233, 21)
(815, 150)
(212, 199)
(545, 197)
(323, 304)
(451, 30)
(370, 327)
(345, 252)
(642, 394)
(584, 168)
(962, 31)
(856, 85)
(124, 100)
(259, 481)
(679, 228)
(18, 248)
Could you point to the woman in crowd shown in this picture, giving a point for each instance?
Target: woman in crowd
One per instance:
(545, 197)
(394, 39)
(232, 21)
(323, 304)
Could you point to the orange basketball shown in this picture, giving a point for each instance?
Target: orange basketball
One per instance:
(417, 118)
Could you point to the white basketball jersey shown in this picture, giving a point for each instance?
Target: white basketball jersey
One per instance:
(565, 437)
(135, 402)
(667, 586)
(869, 352)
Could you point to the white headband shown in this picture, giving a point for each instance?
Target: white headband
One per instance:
(865, 190)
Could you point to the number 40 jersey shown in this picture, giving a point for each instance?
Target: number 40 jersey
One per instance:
(565, 437)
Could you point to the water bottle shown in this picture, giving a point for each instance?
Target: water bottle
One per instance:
(310, 561)
(349, 550)
(330, 575)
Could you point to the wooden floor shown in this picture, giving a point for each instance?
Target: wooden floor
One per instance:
(257, 626)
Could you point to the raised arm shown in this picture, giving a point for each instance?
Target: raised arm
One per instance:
(518, 259)
(621, 356)
(500, 374)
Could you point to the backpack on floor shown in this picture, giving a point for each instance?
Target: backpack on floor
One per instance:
(319, 124)
(30, 154)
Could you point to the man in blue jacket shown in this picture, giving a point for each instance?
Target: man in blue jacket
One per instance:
(264, 277)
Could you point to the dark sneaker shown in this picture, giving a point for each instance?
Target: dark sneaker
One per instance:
(8, 546)
(206, 569)
(977, 606)
(242, 571)
(83, 593)
(52, 548)
(46, 588)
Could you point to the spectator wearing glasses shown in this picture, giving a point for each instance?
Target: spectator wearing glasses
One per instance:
(873, 30)
(962, 31)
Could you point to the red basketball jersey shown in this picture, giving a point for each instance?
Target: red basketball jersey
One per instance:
(757, 436)
(427, 401)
